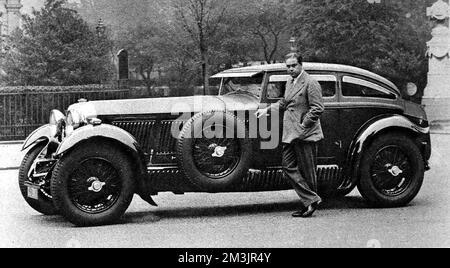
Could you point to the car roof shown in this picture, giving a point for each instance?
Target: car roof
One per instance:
(308, 66)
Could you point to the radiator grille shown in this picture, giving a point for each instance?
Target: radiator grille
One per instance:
(153, 135)
(143, 131)
(167, 142)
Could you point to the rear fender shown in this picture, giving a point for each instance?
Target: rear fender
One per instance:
(366, 136)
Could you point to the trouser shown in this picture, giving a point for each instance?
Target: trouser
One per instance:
(300, 167)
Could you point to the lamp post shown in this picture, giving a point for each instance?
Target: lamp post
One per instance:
(101, 28)
(293, 42)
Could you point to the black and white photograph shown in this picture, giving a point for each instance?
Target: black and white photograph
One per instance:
(236, 125)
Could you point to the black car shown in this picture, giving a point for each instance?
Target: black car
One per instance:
(88, 164)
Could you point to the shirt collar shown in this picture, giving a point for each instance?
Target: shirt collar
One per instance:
(298, 77)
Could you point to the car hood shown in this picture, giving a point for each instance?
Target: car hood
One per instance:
(175, 105)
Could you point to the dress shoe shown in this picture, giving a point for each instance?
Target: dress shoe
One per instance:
(308, 212)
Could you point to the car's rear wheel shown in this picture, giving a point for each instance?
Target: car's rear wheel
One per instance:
(214, 151)
(392, 171)
(32, 173)
(93, 185)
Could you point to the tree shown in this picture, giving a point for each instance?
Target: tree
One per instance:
(378, 37)
(56, 47)
(268, 22)
(200, 22)
(119, 15)
(144, 45)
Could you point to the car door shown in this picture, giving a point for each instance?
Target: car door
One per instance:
(330, 149)
(362, 100)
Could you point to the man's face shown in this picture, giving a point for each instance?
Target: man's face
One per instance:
(294, 68)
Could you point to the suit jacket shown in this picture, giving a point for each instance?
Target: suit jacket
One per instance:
(302, 106)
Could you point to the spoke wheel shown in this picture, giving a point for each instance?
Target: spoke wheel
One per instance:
(216, 157)
(210, 157)
(392, 171)
(95, 186)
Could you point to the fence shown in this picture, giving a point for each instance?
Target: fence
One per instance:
(23, 112)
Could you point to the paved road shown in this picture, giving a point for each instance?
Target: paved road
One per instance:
(244, 220)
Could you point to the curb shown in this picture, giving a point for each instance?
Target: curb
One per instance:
(9, 168)
(11, 142)
(440, 132)
(14, 162)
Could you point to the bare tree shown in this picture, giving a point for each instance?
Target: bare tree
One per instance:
(269, 23)
(200, 21)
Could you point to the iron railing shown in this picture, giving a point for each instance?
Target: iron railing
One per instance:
(23, 112)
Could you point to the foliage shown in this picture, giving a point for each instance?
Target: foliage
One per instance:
(144, 45)
(199, 22)
(187, 40)
(377, 37)
(56, 47)
(268, 24)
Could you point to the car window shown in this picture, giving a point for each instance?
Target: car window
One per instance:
(277, 85)
(328, 84)
(252, 85)
(355, 87)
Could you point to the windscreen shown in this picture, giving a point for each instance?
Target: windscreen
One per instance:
(243, 85)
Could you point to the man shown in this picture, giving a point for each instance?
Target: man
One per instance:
(302, 106)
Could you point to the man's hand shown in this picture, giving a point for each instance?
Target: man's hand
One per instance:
(262, 112)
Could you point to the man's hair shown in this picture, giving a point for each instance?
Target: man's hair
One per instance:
(295, 56)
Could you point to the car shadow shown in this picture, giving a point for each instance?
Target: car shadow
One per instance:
(337, 203)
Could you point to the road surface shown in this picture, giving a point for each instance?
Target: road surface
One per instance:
(250, 220)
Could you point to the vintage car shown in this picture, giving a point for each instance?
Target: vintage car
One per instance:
(88, 164)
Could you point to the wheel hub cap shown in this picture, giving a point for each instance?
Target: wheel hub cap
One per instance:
(96, 185)
(219, 151)
(395, 171)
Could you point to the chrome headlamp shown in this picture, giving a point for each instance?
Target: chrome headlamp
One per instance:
(56, 122)
(75, 119)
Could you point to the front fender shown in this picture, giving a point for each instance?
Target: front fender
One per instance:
(118, 135)
(41, 134)
(367, 134)
(103, 131)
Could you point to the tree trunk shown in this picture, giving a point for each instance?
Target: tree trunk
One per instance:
(205, 72)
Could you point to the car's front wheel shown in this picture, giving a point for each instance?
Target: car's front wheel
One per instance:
(93, 185)
(34, 182)
(392, 171)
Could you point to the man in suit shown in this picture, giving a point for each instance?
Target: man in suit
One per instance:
(302, 106)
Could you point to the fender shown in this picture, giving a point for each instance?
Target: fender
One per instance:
(41, 134)
(366, 134)
(112, 133)
(103, 131)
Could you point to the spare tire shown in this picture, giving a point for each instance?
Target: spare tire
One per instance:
(214, 151)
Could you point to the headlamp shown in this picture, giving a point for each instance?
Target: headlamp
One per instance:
(56, 121)
(75, 119)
